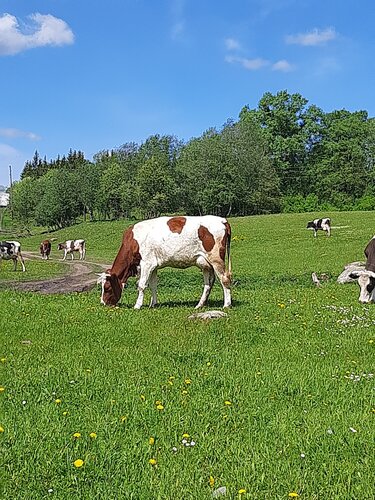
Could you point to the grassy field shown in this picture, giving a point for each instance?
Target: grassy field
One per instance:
(273, 402)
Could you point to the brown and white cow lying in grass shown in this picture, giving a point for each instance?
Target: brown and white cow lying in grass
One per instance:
(366, 278)
(45, 249)
(12, 250)
(71, 246)
(179, 242)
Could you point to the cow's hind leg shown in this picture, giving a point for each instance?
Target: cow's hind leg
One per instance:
(209, 280)
(225, 280)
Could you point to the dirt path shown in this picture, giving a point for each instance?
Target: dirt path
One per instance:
(81, 276)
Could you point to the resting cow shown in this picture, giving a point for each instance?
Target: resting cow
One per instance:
(170, 242)
(45, 249)
(366, 278)
(71, 246)
(12, 250)
(320, 224)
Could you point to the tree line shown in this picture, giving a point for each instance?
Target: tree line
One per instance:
(285, 155)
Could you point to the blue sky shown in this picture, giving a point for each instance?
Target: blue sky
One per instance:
(94, 74)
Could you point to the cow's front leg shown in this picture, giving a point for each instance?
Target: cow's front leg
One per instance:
(142, 284)
(153, 283)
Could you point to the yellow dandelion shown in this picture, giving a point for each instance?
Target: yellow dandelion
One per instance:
(65, 413)
(152, 461)
(3, 360)
(371, 341)
(187, 381)
(208, 363)
(281, 305)
(93, 435)
(186, 436)
(212, 481)
(184, 392)
(88, 370)
(160, 407)
(293, 494)
(143, 397)
(1, 429)
(158, 402)
(151, 441)
(242, 491)
(373, 410)
(57, 401)
(228, 403)
(77, 435)
(2, 389)
(78, 463)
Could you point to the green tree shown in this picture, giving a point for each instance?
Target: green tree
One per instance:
(342, 163)
(291, 130)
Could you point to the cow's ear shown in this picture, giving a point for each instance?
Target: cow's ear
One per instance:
(354, 275)
(102, 277)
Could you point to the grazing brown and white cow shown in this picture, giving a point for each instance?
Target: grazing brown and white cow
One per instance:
(71, 246)
(12, 250)
(366, 277)
(179, 242)
(320, 224)
(45, 249)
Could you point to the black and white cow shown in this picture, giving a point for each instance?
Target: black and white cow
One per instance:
(71, 246)
(320, 224)
(11, 250)
(366, 278)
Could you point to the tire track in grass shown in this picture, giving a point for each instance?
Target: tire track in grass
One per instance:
(81, 277)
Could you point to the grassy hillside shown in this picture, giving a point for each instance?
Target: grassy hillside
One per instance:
(277, 399)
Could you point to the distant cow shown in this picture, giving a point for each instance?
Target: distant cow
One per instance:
(320, 224)
(71, 246)
(170, 242)
(366, 277)
(45, 249)
(12, 250)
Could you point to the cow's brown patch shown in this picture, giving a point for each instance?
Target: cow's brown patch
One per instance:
(176, 224)
(223, 243)
(206, 238)
(124, 266)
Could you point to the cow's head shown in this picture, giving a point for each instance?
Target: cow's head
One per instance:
(366, 282)
(111, 288)
(61, 246)
(310, 225)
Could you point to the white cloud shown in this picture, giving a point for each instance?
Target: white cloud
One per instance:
(232, 44)
(282, 65)
(14, 133)
(41, 31)
(177, 30)
(314, 37)
(178, 24)
(251, 64)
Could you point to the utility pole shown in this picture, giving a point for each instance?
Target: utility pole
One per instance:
(10, 191)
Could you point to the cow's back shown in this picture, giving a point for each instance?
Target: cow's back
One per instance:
(178, 240)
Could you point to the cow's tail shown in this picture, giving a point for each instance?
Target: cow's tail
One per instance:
(228, 271)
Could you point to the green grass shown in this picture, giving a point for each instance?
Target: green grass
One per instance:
(294, 361)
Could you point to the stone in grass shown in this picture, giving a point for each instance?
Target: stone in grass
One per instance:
(220, 492)
(208, 315)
